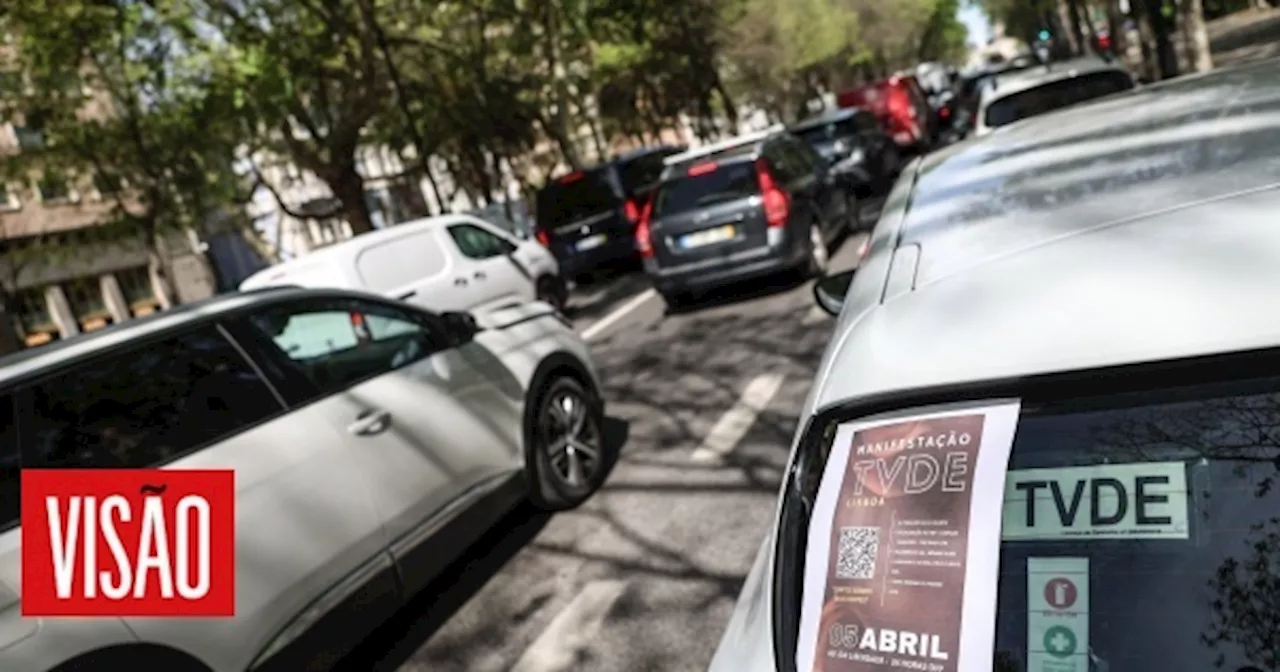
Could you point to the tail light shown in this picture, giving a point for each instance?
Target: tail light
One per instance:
(631, 211)
(543, 238)
(776, 204)
(644, 237)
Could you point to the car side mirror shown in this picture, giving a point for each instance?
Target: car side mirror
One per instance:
(460, 328)
(829, 291)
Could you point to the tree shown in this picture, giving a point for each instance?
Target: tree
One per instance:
(305, 80)
(112, 92)
(1195, 34)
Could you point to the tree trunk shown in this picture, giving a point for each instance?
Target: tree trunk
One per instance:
(163, 284)
(1166, 52)
(441, 205)
(1116, 28)
(1195, 35)
(348, 188)
(730, 107)
(1077, 30)
(602, 151)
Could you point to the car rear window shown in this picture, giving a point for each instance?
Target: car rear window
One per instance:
(576, 196)
(1055, 95)
(641, 173)
(719, 184)
(829, 131)
(1142, 532)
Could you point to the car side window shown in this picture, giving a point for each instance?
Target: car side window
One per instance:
(145, 406)
(476, 243)
(10, 462)
(336, 344)
(808, 157)
(782, 160)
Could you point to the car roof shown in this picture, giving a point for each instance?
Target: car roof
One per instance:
(1017, 81)
(337, 252)
(1137, 229)
(828, 117)
(35, 362)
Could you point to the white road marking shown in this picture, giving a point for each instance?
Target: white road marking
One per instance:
(595, 328)
(814, 316)
(736, 421)
(572, 630)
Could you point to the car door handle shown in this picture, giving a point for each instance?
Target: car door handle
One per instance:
(480, 275)
(461, 282)
(370, 422)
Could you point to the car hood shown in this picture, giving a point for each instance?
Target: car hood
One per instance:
(747, 644)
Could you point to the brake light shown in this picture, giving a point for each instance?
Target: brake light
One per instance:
(543, 238)
(944, 112)
(776, 204)
(702, 168)
(644, 237)
(631, 211)
(571, 177)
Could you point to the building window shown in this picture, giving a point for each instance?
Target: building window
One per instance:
(135, 284)
(8, 199)
(34, 321)
(106, 184)
(88, 303)
(55, 188)
(30, 134)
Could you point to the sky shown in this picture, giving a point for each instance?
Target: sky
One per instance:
(973, 19)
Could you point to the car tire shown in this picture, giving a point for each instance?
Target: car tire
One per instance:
(819, 254)
(676, 301)
(569, 459)
(550, 290)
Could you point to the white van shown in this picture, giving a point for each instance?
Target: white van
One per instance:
(445, 263)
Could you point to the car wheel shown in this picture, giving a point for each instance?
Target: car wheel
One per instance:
(570, 459)
(818, 255)
(552, 292)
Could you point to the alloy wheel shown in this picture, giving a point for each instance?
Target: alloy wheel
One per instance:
(571, 439)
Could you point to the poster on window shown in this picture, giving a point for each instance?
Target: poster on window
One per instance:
(904, 543)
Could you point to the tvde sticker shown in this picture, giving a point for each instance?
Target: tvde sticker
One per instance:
(1058, 614)
(1145, 500)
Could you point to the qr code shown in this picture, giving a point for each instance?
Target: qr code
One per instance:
(858, 549)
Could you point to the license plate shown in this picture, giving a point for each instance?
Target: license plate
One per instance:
(708, 237)
(590, 242)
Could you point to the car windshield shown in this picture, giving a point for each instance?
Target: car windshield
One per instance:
(576, 196)
(828, 131)
(718, 185)
(1055, 95)
(1143, 530)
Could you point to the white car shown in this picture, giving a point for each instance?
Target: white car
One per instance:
(444, 263)
(371, 443)
(1111, 269)
(1020, 94)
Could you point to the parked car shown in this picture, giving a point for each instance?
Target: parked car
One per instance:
(588, 218)
(856, 147)
(1114, 270)
(1026, 93)
(900, 105)
(968, 89)
(371, 441)
(445, 263)
(750, 206)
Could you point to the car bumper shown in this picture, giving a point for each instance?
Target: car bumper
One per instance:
(719, 271)
(617, 249)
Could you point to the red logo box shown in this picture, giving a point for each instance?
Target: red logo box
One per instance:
(128, 542)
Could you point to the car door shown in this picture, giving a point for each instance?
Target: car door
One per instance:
(828, 198)
(433, 423)
(308, 539)
(486, 266)
(414, 267)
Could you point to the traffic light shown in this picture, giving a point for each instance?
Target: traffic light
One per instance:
(1044, 35)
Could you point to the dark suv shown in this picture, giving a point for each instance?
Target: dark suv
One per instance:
(752, 206)
(858, 150)
(588, 217)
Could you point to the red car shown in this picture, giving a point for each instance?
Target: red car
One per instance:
(900, 105)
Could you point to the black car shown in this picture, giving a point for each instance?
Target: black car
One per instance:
(749, 207)
(855, 145)
(588, 217)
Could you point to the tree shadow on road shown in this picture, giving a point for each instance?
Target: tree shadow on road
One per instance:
(396, 641)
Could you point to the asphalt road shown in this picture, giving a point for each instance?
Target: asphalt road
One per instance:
(645, 574)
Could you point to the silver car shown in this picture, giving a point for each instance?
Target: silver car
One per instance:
(1021, 94)
(1115, 268)
(371, 442)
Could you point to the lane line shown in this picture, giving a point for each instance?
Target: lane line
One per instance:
(814, 316)
(736, 421)
(572, 630)
(595, 328)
